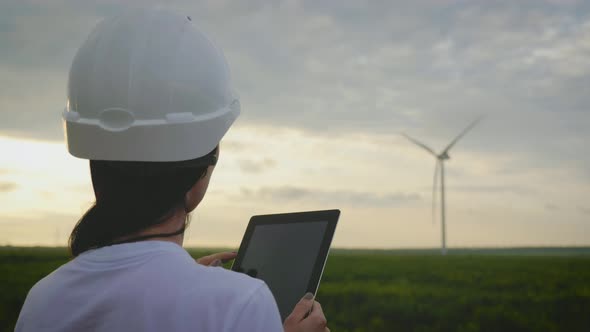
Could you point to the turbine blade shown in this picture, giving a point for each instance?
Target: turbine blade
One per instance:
(462, 134)
(434, 187)
(422, 145)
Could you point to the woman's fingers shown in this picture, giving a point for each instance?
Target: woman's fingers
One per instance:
(217, 259)
(316, 321)
(299, 320)
(301, 309)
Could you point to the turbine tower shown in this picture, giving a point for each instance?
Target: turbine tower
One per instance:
(440, 159)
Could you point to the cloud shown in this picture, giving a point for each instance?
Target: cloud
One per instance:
(256, 166)
(493, 189)
(331, 197)
(340, 68)
(7, 187)
(233, 145)
(552, 207)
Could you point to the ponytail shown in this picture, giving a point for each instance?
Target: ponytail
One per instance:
(86, 234)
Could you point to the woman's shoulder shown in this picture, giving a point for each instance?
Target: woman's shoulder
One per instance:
(215, 292)
(219, 279)
(187, 275)
(242, 302)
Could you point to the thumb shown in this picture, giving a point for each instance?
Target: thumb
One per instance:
(302, 308)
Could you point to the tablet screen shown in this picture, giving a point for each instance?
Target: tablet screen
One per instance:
(284, 256)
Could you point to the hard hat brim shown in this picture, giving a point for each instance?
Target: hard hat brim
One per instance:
(169, 142)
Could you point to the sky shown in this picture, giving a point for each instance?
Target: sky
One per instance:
(327, 88)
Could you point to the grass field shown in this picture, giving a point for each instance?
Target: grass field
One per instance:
(407, 290)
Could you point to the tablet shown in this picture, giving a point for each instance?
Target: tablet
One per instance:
(288, 251)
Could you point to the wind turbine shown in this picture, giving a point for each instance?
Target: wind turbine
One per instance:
(440, 159)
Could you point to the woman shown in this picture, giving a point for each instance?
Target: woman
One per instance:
(149, 99)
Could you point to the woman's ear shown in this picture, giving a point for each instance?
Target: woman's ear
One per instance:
(191, 199)
(197, 192)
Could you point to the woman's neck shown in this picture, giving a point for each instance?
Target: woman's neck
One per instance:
(172, 225)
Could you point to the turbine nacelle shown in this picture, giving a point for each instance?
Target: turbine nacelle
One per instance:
(443, 156)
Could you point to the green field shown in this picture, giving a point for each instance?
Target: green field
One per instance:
(406, 290)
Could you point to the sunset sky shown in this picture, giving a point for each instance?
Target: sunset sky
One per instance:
(327, 87)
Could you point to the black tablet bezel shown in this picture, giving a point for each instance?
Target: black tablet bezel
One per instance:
(330, 216)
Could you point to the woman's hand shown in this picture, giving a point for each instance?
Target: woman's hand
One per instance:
(217, 259)
(300, 321)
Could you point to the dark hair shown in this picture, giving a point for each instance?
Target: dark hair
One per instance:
(132, 196)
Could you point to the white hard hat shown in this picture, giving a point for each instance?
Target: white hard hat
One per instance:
(148, 86)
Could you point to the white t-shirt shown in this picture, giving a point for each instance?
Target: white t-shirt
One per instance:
(147, 286)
